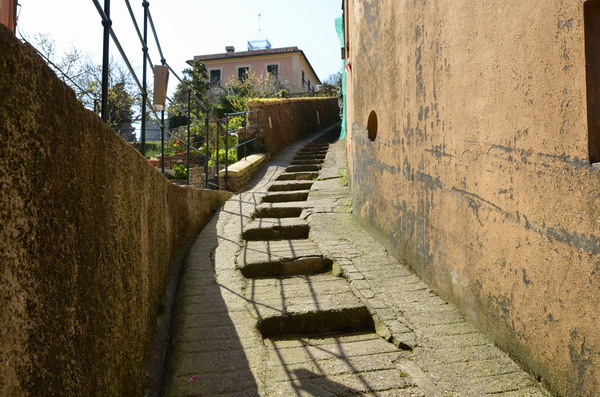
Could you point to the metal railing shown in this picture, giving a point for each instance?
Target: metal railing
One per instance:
(244, 135)
(233, 131)
(244, 128)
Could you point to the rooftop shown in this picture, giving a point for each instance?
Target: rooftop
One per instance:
(240, 54)
(231, 54)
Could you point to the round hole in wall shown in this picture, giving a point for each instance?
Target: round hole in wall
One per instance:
(372, 125)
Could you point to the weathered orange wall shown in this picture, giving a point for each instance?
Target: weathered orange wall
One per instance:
(283, 121)
(479, 177)
(87, 232)
(7, 13)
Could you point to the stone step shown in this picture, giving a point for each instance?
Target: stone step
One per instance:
(283, 186)
(309, 157)
(311, 152)
(359, 364)
(325, 142)
(276, 229)
(307, 162)
(289, 209)
(285, 196)
(316, 146)
(317, 304)
(281, 258)
(297, 176)
(301, 168)
(327, 139)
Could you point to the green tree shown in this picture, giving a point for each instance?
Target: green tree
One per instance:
(219, 99)
(120, 110)
(195, 84)
(332, 86)
(78, 70)
(236, 94)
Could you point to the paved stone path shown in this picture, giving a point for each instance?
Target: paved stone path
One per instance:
(283, 294)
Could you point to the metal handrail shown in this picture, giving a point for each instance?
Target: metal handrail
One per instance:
(162, 57)
(233, 132)
(238, 113)
(223, 132)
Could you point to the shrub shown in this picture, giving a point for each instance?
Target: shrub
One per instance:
(180, 172)
(231, 158)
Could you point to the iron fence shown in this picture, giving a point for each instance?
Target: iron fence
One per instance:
(232, 131)
(239, 132)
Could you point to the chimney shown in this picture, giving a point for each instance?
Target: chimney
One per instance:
(230, 49)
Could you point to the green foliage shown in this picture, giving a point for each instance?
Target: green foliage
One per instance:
(327, 90)
(120, 110)
(180, 172)
(236, 122)
(221, 99)
(235, 95)
(78, 70)
(344, 177)
(231, 158)
(335, 80)
(178, 119)
(196, 78)
(333, 87)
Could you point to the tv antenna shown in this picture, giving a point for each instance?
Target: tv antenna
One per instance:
(259, 15)
(261, 43)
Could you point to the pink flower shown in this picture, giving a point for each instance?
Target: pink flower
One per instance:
(193, 378)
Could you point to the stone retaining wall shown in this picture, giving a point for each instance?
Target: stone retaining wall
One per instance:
(88, 229)
(283, 121)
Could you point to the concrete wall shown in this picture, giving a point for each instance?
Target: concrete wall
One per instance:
(283, 121)
(87, 231)
(479, 175)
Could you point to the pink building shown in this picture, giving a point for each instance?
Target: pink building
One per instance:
(288, 64)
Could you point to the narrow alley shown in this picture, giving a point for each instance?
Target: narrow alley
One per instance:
(284, 294)
(341, 198)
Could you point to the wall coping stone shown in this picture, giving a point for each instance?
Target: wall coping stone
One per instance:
(244, 166)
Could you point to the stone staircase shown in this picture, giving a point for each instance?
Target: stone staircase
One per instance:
(298, 297)
(292, 290)
(284, 294)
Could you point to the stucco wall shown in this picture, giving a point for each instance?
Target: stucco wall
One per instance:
(257, 65)
(479, 176)
(291, 65)
(87, 232)
(7, 13)
(283, 121)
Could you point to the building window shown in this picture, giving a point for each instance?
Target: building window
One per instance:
(243, 73)
(215, 77)
(308, 84)
(303, 81)
(591, 10)
(273, 70)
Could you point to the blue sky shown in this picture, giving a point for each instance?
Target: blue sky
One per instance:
(187, 27)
